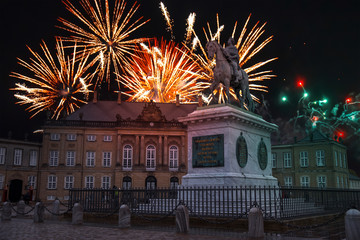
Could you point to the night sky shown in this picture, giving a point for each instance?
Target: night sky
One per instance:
(318, 41)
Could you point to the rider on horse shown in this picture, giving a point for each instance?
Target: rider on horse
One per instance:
(232, 55)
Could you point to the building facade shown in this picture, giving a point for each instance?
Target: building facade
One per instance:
(19, 163)
(109, 143)
(315, 161)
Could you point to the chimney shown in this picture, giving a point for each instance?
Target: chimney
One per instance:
(177, 100)
(200, 101)
(95, 97)
(119, 98)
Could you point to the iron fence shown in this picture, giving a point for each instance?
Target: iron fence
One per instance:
(219, 202)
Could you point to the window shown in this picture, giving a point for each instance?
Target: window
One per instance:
(107, 138)
(288, 181)
(287, 160)
(173, 157)
(2, 179)
(305, 181)
(336, 158)
(91, 138)
(150, 157)
(127, 182)
(52, 179)
(54, 136)
(18, 156)
(32, 182)
(105, 182)
(2, 155)
(320, 158)
(344, 160)
(54, 158)
(90, 159)
(89, 182)
(321, 181)
(69, 182)
(33, 158)
(273, 160)
(174, 182)
(150, 183)
(70, 158)
(340, 160)
(337, 181)
(106, 159)
(304, 161)
(71, 137)
(127, 157)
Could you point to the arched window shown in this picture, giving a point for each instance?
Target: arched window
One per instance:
(150, 183)
(126, 183)
(127, 156)
(150, 157)
(173, 157)
(174, 182)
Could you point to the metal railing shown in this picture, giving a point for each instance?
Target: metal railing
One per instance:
(220, 202)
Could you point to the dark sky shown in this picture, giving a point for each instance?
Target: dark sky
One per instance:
(316, 40)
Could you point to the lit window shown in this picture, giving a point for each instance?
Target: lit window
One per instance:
(106, 159)
(70, 158)
(273, 160)
(69, 182)
(288, 181)
(287, 160)
(304, 160)
(32, 182)
(321, 181)
(71, 137)
(173, 157)
(2, 155)
(305, 181)
(90, 159)
(52, 179)
(54, 136)
(127, 157)
(105, 182)
(320, 158)
(18, 157)
(91, 138)
(89, 182)
(33, 158)
(107, 138)
(54, 158)
(150, 157)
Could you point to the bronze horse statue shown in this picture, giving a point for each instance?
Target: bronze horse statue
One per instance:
(223, 74)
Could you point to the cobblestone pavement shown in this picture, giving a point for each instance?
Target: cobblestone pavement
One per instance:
(21, 228)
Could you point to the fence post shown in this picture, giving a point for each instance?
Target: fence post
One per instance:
(256, 223)
(352, 223)
(182, 219)
(39, 212)
(6, 211)
(124, 216)
(20, 207)
(77, 214)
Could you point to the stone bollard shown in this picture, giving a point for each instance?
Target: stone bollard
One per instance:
(77, 214)
(56, 209)
(256, 223)
(352, 224)
(124, 216)
(20, 208)
(6, 211)
(182, 219)
(39, 212)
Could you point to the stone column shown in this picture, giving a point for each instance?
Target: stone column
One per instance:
(6, 211)
(77, 214)
(182, 157)
(161, 160)
(256, 223)
(39, 212)
(166, 151)
(118, 150)
(352, 224)
(20, 207)
(142, 150)
(136, 150)
(124, 216)
(182, 219)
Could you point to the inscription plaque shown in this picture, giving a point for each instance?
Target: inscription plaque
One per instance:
(241, 151)
(262, 155)
(208, 151)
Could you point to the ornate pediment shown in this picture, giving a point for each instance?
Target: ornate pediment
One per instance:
(151, 113)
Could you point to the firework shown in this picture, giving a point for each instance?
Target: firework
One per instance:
(160, 72)
(168, 20)
(57, 84)
(105, 35)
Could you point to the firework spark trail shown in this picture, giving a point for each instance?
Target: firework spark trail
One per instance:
(168, 20)
(190, 27)
(105, 35)
(56, 84)
(161, 72)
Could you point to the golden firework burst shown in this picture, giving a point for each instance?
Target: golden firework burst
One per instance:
(58, 84)
(105, 35)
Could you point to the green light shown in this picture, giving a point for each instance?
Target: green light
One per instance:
(325, 100)
(306, 94)
(284, 99)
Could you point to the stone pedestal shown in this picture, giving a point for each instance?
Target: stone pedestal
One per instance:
(124, 216)
(228, 146)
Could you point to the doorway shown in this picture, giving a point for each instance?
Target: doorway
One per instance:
(15, 190)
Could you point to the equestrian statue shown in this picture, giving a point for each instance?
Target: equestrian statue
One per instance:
(228, 72)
